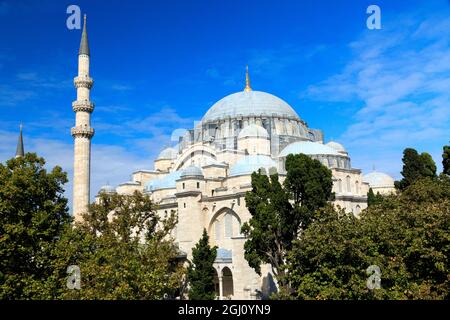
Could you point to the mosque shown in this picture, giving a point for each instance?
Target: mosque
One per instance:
(204, 176)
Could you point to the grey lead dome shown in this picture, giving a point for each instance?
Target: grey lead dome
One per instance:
(248, 103)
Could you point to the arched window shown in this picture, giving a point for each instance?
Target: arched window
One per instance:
(339, 183)
(349, 187)
(357, 187)
(228, 225)
(217, 229)
(357, 209)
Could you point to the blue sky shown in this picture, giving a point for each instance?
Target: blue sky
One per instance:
(159, 66)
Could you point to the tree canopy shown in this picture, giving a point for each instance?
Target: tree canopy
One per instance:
(34, 214)
(280, 212)
(122, 248)
(406, 235)
(415, 166)
(124, 251)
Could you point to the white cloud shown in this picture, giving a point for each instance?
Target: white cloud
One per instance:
(400, 78)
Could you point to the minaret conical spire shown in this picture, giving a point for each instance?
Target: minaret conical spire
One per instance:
(20, 151)
(84, 45)
(247, 81)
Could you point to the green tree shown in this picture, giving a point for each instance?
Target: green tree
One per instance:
(280, 212)
(406, 235)
(373, 199)
(428, 165)
(446, 160)
(201, 271)
(123, 249)
(415, 166)
(33, 215)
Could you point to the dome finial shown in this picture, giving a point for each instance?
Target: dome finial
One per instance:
(247, 81)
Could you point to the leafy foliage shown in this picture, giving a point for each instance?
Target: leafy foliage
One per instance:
(123, 248)
(124, 251)
(201, 271)
(280, 212)
(33, 214)
(373, 199)
(406, 235)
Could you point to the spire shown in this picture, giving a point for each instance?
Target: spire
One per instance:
(247, 81)
(84, 45)
(19, 150)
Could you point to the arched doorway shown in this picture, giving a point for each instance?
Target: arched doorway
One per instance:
(227, 282)
(216, 283)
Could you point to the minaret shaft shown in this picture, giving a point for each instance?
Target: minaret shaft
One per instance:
(82, 132)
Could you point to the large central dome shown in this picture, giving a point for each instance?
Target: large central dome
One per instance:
(246, 103)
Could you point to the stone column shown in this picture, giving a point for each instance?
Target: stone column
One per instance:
(220, 286)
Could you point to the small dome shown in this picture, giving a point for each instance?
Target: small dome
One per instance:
(167, 154)
(192, 171)
(249, 164)
(377, 179)
(336, 146)
(107, 189)
(308, 148)
(253, 131)
(166, 182)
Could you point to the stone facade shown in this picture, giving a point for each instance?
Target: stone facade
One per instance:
(204, 177)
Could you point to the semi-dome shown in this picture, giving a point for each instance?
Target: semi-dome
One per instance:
(166, 182)
(191, 171)
(167, 154)
(248, 103)
(377, 179)
(253, 131)
(336, 146)
(250, 164)
(308, 148)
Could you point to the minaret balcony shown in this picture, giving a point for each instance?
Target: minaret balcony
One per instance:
(83, 105)
(83, 82)
(82, 132)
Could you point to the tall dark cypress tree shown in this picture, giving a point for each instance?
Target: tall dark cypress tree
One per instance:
(415, 167)
(446, 160)
(373, 199)
(201, 271)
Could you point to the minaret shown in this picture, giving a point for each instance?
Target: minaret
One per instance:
(247, 81)
(19, 151)
(82, 132)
